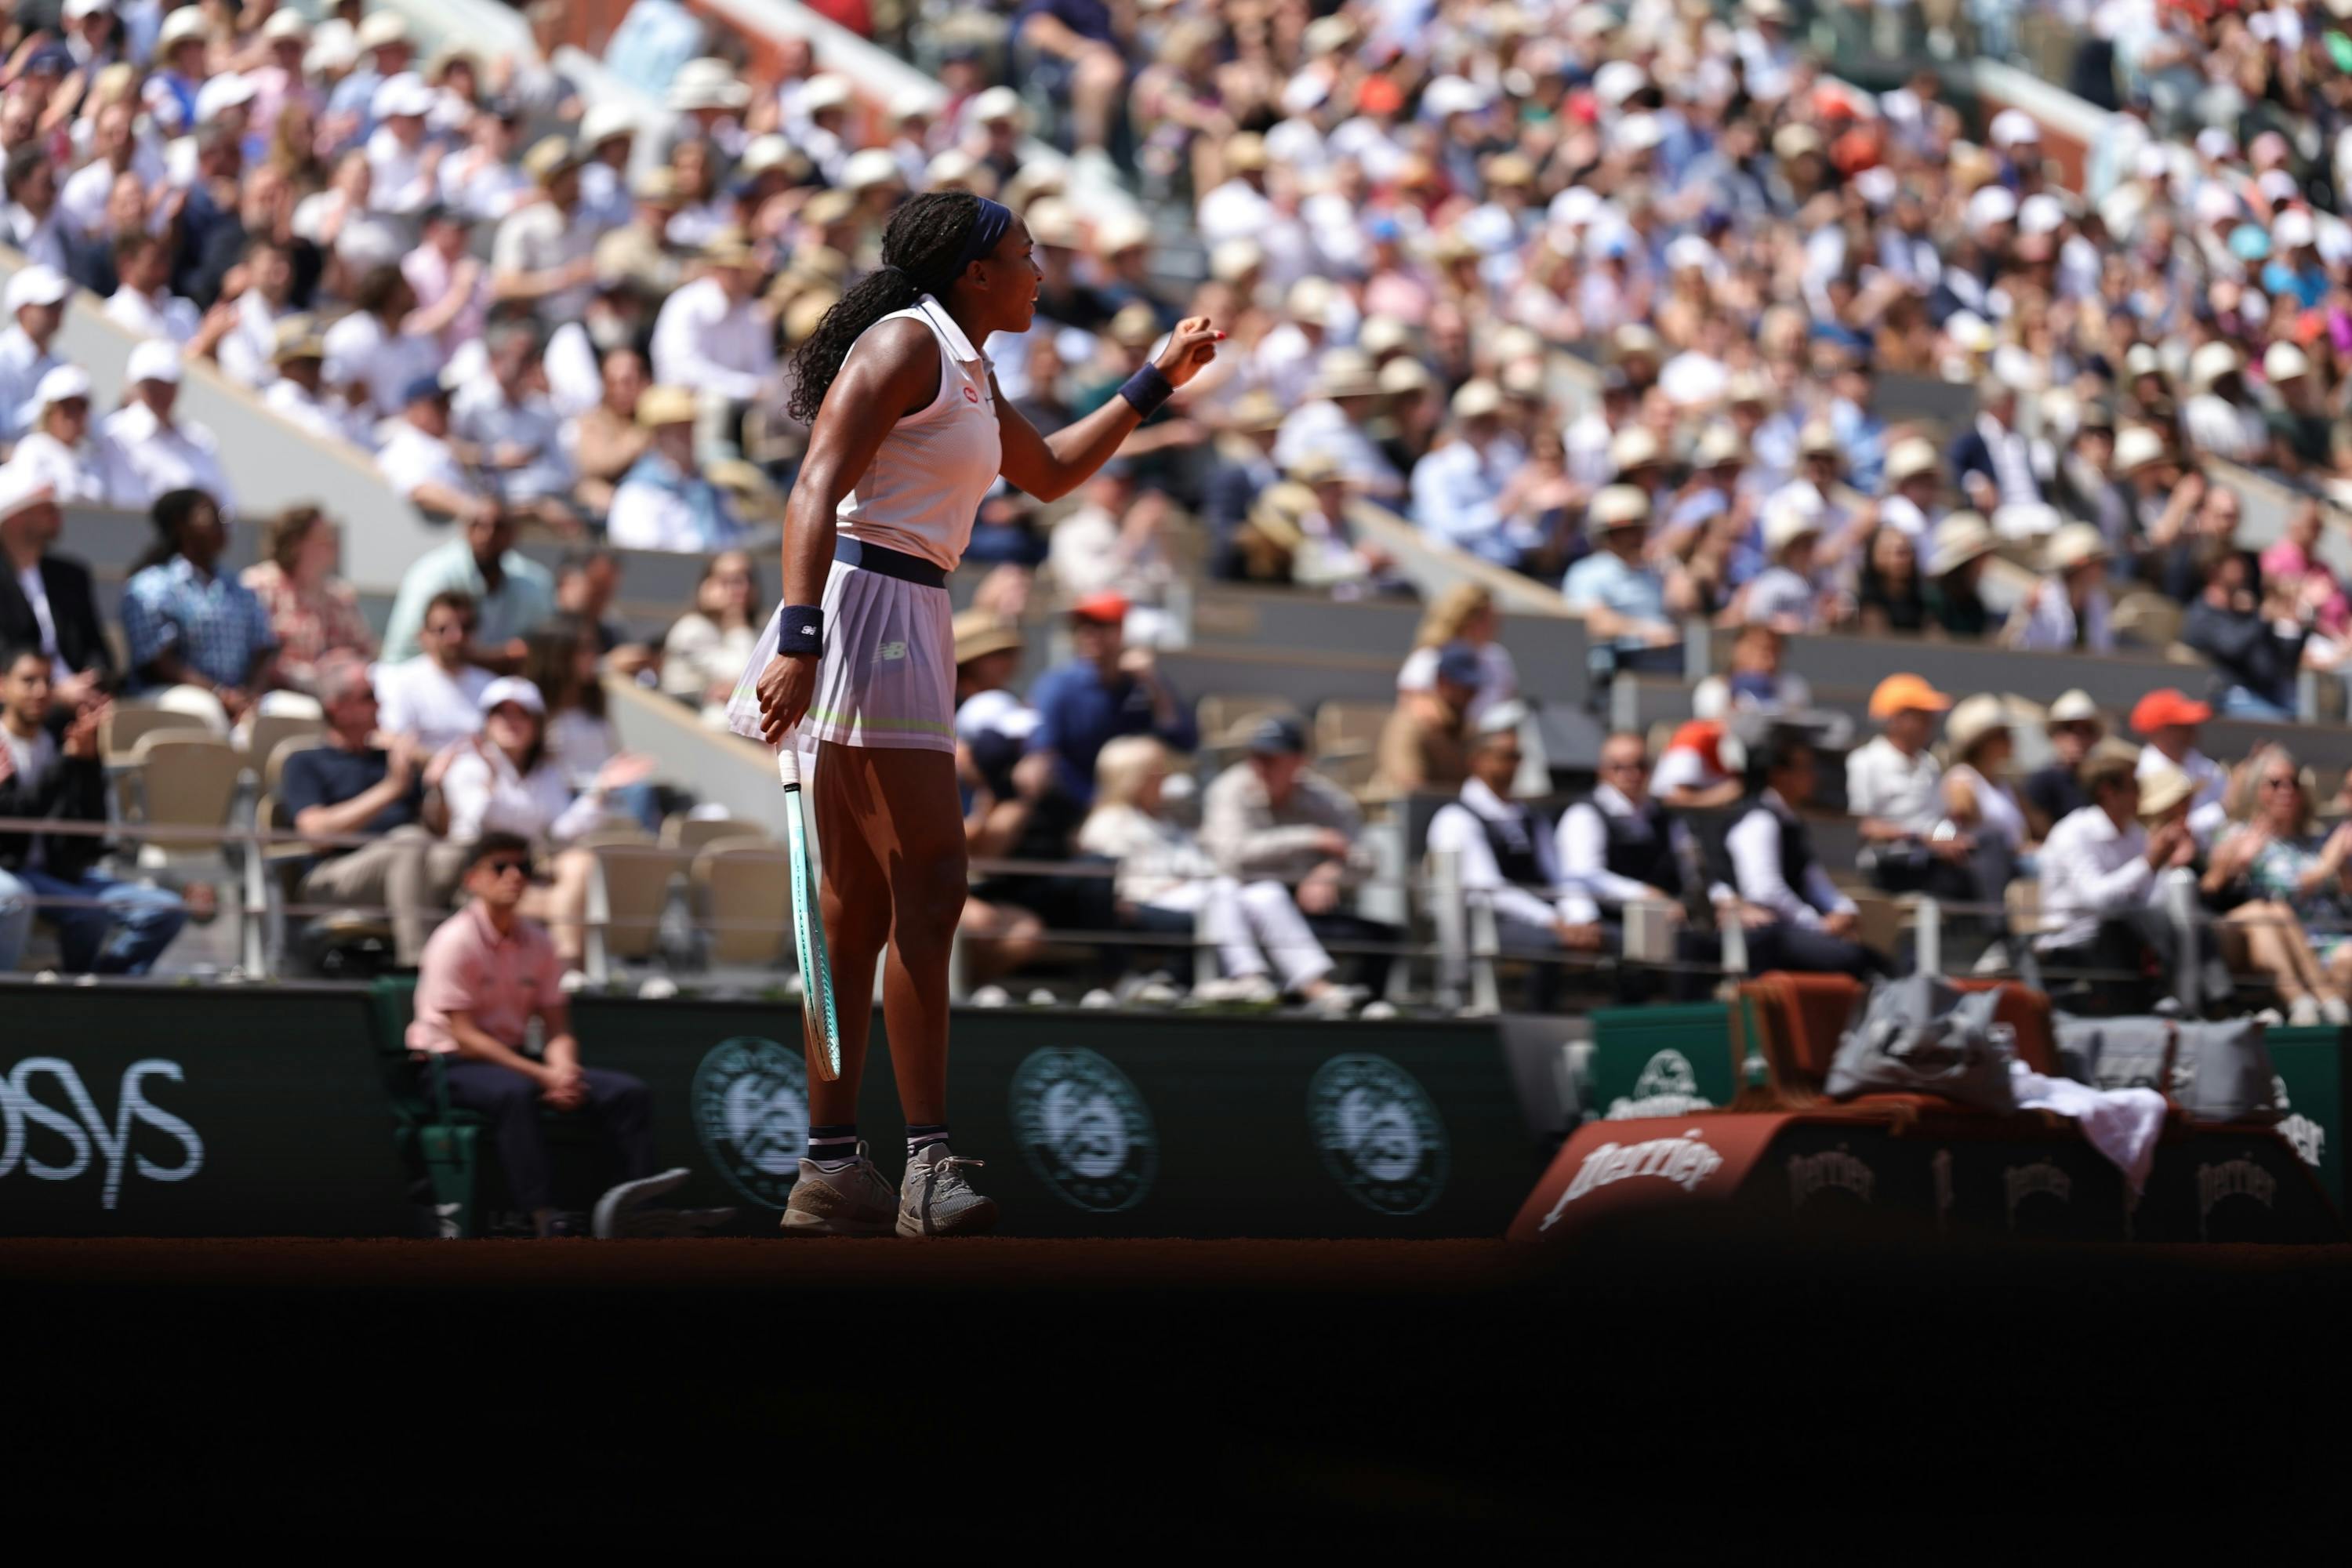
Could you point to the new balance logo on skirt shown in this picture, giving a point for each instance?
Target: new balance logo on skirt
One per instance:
(888, 651)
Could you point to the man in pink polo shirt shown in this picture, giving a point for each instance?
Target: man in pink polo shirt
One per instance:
(486, 972)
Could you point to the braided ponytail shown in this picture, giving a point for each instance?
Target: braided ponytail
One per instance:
(920, 249)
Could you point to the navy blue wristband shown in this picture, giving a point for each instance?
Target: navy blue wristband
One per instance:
(1146, 389)
(800, 628)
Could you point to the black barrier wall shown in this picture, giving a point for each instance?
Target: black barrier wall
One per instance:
(222, 1112)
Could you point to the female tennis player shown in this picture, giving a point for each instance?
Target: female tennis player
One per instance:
(909, 435)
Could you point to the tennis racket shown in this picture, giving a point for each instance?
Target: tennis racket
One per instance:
(808, 924)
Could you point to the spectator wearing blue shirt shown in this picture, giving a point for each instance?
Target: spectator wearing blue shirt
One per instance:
(190, 623)
(1629, 605)
(1106, 690)
(2295, 266)
(1464, 492)
(384, 53)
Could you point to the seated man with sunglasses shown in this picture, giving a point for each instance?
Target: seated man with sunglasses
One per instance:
(1505, 855)
(488, 972)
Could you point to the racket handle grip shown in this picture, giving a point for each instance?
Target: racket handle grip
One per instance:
(788, 764)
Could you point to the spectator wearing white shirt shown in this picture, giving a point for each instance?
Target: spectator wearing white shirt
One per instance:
(1239, 208)
(1464, 490)
(30, 219)
(38, 298)
(663, 501)
(2067, 610)
(711, 336)
(2219, 417)
(247, 352)
(505, 419)
(510, 783)
(545, 252)
(1505, 857)
(82, 468)
(1894, 783)
(403, 163)
(1797, 919)
(143, 301)
(297, 391)
(1347, 394)
(115, 150)
(435, 698)
(421, 464)
(165, 451)
(2099, 869)
(1621, 846)
(373, 346)
(2166, 719)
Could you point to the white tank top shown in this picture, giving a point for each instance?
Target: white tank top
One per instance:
(927, 480)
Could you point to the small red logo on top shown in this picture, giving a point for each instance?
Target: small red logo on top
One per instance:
(971, 394)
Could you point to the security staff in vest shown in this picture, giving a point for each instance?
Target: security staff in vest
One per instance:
(1622, 847)
(1507, 858)
(1796, 917)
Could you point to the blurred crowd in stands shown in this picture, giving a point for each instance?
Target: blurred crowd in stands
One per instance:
(1633, 301)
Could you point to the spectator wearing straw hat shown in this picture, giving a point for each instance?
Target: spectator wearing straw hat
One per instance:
(711, 337)
(664, 502)
(297, 392)
(2167, 720)
(1956, 559)
(2098, 872)
(1791, 593)
(1629, 604)
(2145, 500)
(2303, 433)
(545, 254)
(2220, 418)
(2055, 791)
(1913, 474)
(1464, 490)
(2067, 610)
(1347, 393)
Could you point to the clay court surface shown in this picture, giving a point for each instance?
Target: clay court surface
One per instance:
(1148, 1393)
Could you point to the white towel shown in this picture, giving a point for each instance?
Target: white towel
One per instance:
(2121, 1123)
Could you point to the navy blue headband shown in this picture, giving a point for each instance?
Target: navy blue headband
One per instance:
(994, 219)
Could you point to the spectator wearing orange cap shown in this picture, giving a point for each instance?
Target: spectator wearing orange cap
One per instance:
(2166, 719)
(1106, 690)
(1895, 784)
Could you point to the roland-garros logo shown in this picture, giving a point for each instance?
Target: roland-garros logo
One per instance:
(1683, 1161)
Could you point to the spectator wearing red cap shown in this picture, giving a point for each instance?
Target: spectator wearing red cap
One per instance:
(1693, 773)
(1106, 689)
(2166, 719)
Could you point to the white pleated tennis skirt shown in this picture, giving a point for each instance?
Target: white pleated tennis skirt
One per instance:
(887, 676)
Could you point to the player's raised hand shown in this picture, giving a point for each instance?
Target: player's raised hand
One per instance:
(1189, 347)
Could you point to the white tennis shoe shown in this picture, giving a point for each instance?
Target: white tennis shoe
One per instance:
(936, 1200)
(855, 1200)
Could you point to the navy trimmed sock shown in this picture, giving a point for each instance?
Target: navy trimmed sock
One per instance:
(833, 1147)
(921, 1134)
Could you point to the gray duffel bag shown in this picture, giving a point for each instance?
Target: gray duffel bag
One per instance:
(1919, 1035)
(2221, 1072)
